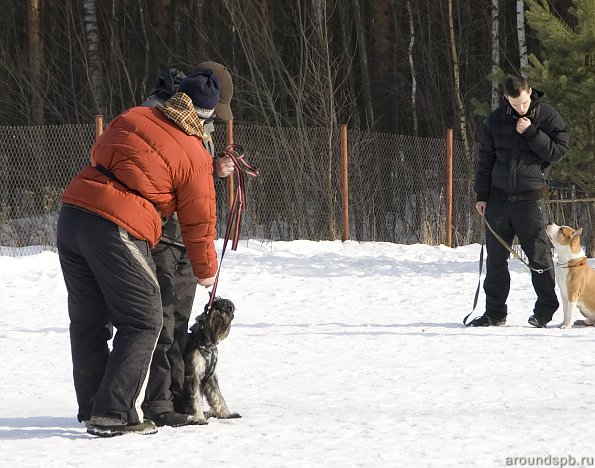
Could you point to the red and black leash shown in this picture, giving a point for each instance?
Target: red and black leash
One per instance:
(243, 168)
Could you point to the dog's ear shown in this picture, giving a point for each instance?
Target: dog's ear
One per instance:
(227, 305)
(577, 233)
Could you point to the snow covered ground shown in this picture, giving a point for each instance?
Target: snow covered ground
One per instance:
(341, 355)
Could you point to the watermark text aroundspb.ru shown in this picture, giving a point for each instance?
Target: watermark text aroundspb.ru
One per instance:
(550, 460)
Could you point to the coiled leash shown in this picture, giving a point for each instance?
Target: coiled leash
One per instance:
(511, 250)
(232, 230)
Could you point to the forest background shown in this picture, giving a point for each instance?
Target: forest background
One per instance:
(400, 67)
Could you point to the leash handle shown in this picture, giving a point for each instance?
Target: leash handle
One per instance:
(236, 153)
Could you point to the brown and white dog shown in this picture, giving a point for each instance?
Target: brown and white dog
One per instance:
(575, 278)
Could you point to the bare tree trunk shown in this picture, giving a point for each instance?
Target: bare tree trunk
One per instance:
(495, 51)
(147, 47)
(94, 59)
(35, 60)
(363, 56)
(161, 16)
(312, 87)
(346, 47)
(457, 85)
(412, 67)
(520, 26)
(319, 7)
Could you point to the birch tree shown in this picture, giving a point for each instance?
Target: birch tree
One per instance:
(457, 82)
(520, 27)
(495, 52)
(412, 67)
(94, 55)
(146, 45)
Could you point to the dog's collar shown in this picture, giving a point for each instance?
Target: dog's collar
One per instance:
(575, 262)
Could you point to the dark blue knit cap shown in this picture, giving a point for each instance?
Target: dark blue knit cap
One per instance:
(203, 88)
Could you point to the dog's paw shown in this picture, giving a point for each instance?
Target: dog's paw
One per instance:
(565, 325)
(582, 323)
(198, 421)
(210, 414)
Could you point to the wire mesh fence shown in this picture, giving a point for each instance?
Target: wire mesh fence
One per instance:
(396, 186)
(36, 164)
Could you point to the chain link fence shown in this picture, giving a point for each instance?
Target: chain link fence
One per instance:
(36, 164)
(396, 186)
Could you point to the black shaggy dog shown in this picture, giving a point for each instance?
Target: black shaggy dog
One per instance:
(200, 360)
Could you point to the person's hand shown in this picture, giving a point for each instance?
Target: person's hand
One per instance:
(481, 207)
(206, 282)
(223, 166)
(522, 124)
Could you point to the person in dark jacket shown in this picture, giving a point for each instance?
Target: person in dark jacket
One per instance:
(149, 162)
(520, 141)
(165, 397)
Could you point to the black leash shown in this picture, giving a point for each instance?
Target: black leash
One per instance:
(478, 287)
(511, 250)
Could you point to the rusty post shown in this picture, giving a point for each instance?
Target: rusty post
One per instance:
(230, 190)
(345, 182)
(448, 190)
(98, 126)
(98, 131)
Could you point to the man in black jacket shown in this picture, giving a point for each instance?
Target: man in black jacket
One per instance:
(164, 395)
(520, 141)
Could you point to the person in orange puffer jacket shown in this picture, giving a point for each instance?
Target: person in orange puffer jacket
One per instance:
(148, 164)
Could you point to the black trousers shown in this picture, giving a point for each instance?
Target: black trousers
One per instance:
(178, 287)
(527, 220)
(110, 278)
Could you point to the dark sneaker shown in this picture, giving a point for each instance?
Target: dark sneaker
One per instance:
(111, 427)
(487, 321)
(537, 322)
(175, 419)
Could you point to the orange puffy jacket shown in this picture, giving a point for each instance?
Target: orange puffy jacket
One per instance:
(159, 167)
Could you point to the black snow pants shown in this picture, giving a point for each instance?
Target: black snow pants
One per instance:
(527, 220)
(110, 278)
(178, 287)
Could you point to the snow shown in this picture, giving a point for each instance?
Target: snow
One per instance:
(341, 355)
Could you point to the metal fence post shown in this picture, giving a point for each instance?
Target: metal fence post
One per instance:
(345, 183)
(230, 191)
(448, 190)
(98, 132)
(98, 126)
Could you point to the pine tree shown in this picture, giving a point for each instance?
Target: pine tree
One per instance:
(566, 72)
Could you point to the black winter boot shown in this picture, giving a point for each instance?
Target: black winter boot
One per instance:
(110, 427)
(174, 419)
(487, 321)
(537, 322)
